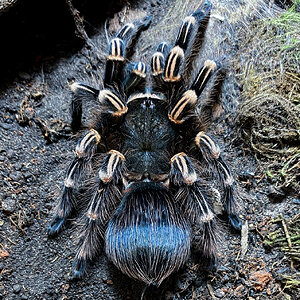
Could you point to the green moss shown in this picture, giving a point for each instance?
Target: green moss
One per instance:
(289, 23)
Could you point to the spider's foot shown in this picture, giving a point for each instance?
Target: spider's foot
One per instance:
(235, 221)
(56, 226)
(78, 269)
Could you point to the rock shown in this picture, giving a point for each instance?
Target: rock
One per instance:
(10, 153)
(225, 278)
(37, 95)
(3, 253)
(239, 291)
(29, 113)
(260, 279)
(16, 288)
(245, 175)
(24, 76)
(9, 205)
(18, 166)
(5, 126)
(27, 175)
(16, 176)
(109, 281)
(219, 293)
(275, 194)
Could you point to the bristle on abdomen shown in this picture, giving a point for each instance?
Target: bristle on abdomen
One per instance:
(147, 238)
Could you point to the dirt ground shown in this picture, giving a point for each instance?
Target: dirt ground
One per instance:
(37, 144)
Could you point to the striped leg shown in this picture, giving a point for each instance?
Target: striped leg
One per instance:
(189, 33)
(103, 203)
(211, 108)
(120, 47)
(136, 78)
(210, 152)
(85, 149)
(158, 59)
(80, 92)
(158, 65)
(111, 103)
(195, 204)
(201, 16)
(183, 108)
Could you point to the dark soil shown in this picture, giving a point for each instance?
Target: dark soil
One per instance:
(37, 144)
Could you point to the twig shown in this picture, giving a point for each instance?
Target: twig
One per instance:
(78, 20)
(287, 234)
(211, 292)
(261, 178)
(259, 233)
(244, 239)
(7, 238)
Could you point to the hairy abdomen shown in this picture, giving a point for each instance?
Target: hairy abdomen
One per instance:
(147, 238)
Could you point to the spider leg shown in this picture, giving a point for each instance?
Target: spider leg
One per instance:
(211, 108)
(120, 47)
(158, 64)
(81, 91)
(202, 16)
(136, 78)
(210, 152)
(189, 33)
(183, 108)
(85, 149)
(104, 202)
(111, 103)
(195, 204)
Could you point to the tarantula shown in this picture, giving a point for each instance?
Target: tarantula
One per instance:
(149, 202)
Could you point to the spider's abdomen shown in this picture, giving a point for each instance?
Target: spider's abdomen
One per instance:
(147, 238)
(148, 136)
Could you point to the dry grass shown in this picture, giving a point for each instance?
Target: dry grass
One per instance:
(269, 117)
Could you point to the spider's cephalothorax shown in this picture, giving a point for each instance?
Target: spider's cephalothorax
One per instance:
(149, 203)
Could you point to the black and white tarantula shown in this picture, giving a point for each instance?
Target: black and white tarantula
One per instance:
(149, 203)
